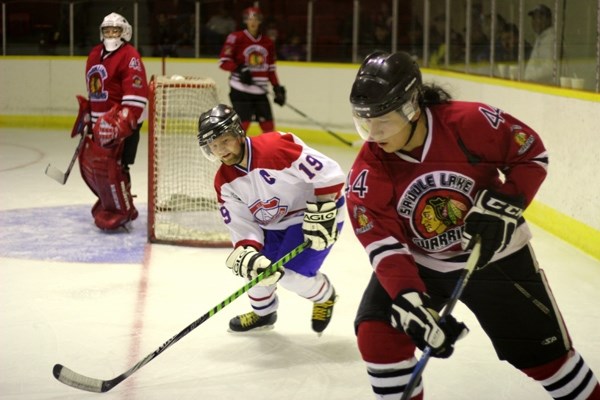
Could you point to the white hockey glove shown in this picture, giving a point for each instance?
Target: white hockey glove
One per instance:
(246, 262)
(494, 218)
(424, 326)
(319, 224)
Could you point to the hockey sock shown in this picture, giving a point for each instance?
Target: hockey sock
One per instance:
(569, 377)
(390, 360)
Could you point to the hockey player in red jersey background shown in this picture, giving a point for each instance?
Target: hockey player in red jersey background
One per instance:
(275, 192)
(250, 57)
(435, 175)
(117, 98)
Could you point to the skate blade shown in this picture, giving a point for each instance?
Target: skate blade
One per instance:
(255, 330)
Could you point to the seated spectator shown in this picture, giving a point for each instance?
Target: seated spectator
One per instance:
(294, 50)
(509, 45)
(217, 28)
(539, 67)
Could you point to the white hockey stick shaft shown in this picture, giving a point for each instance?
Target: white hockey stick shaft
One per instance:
(458, 289)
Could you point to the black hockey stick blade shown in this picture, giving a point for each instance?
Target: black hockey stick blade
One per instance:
(415, 377)
(82, 382)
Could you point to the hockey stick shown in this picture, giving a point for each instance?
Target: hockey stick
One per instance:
(335, 135)
(58, 175)
(458, 289)
(78, 381)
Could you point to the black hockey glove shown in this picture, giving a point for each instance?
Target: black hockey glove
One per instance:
(245, 74)
(319, 224)
(494, 218)
(279, 95)
(424, 326)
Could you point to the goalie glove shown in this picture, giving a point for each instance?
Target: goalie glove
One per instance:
(494, 218)
(83, 123)
(248, 263)
(245, 74)
(114, 126)
(279, 95)
(319, 225)
(424, 326)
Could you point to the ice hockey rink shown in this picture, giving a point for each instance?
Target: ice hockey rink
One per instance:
(98, 303)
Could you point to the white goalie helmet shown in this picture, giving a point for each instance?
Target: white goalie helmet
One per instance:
(115, 20)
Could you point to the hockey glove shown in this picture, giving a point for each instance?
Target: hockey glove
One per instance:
(114, 126)
(494, 218)
(245, 74)
(319, 224)
(424, 326)
(248, 263)
(83, 123)
(279, 95)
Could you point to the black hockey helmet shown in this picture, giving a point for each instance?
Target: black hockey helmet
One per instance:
(386, 82)
(218, 121)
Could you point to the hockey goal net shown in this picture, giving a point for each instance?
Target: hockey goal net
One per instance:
(182, 206)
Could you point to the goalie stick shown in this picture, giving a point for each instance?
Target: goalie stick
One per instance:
(58, 175)
(78, 381)
(458, 289)
(81, 127)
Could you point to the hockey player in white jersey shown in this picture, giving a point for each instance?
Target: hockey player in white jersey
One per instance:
(275, 192)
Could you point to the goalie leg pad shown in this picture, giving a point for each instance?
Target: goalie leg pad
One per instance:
(102, 171)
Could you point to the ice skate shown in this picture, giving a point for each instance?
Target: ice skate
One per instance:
(252, 322)
(322, 313)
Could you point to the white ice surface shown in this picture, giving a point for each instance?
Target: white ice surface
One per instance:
(100, 318)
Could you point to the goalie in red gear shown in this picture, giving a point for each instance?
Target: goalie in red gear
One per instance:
(118, 95)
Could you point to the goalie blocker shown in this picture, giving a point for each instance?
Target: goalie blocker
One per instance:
(103, 172)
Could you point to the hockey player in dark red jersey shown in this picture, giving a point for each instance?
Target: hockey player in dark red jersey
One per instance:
(250, 57)
(117, 92)
(435, 175)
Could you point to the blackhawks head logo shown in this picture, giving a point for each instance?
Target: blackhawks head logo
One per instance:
(436, 205)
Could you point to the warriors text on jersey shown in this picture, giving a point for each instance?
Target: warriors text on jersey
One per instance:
(271, 193)
(116, 77)
(258, 54)
(408, 208)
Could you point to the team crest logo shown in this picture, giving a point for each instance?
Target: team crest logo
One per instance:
(522, 139)
(362, 220)
(436, 205)
(268, 212)
(256, 57)
(95, 80)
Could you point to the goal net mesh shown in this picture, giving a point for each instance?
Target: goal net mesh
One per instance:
(182, 206)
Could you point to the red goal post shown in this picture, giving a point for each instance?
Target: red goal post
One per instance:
(182, 206)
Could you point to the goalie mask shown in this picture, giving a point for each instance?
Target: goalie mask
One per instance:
(114, 31)
(215, 123)
(385, 94)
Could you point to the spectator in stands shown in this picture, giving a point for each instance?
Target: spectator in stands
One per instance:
(217, 28)
(509, 45)
(294, 49)
(437, 43)
(539, 67)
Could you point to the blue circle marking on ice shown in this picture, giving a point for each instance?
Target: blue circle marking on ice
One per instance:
(68, 233)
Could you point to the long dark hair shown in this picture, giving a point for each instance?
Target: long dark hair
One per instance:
(433, 94)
